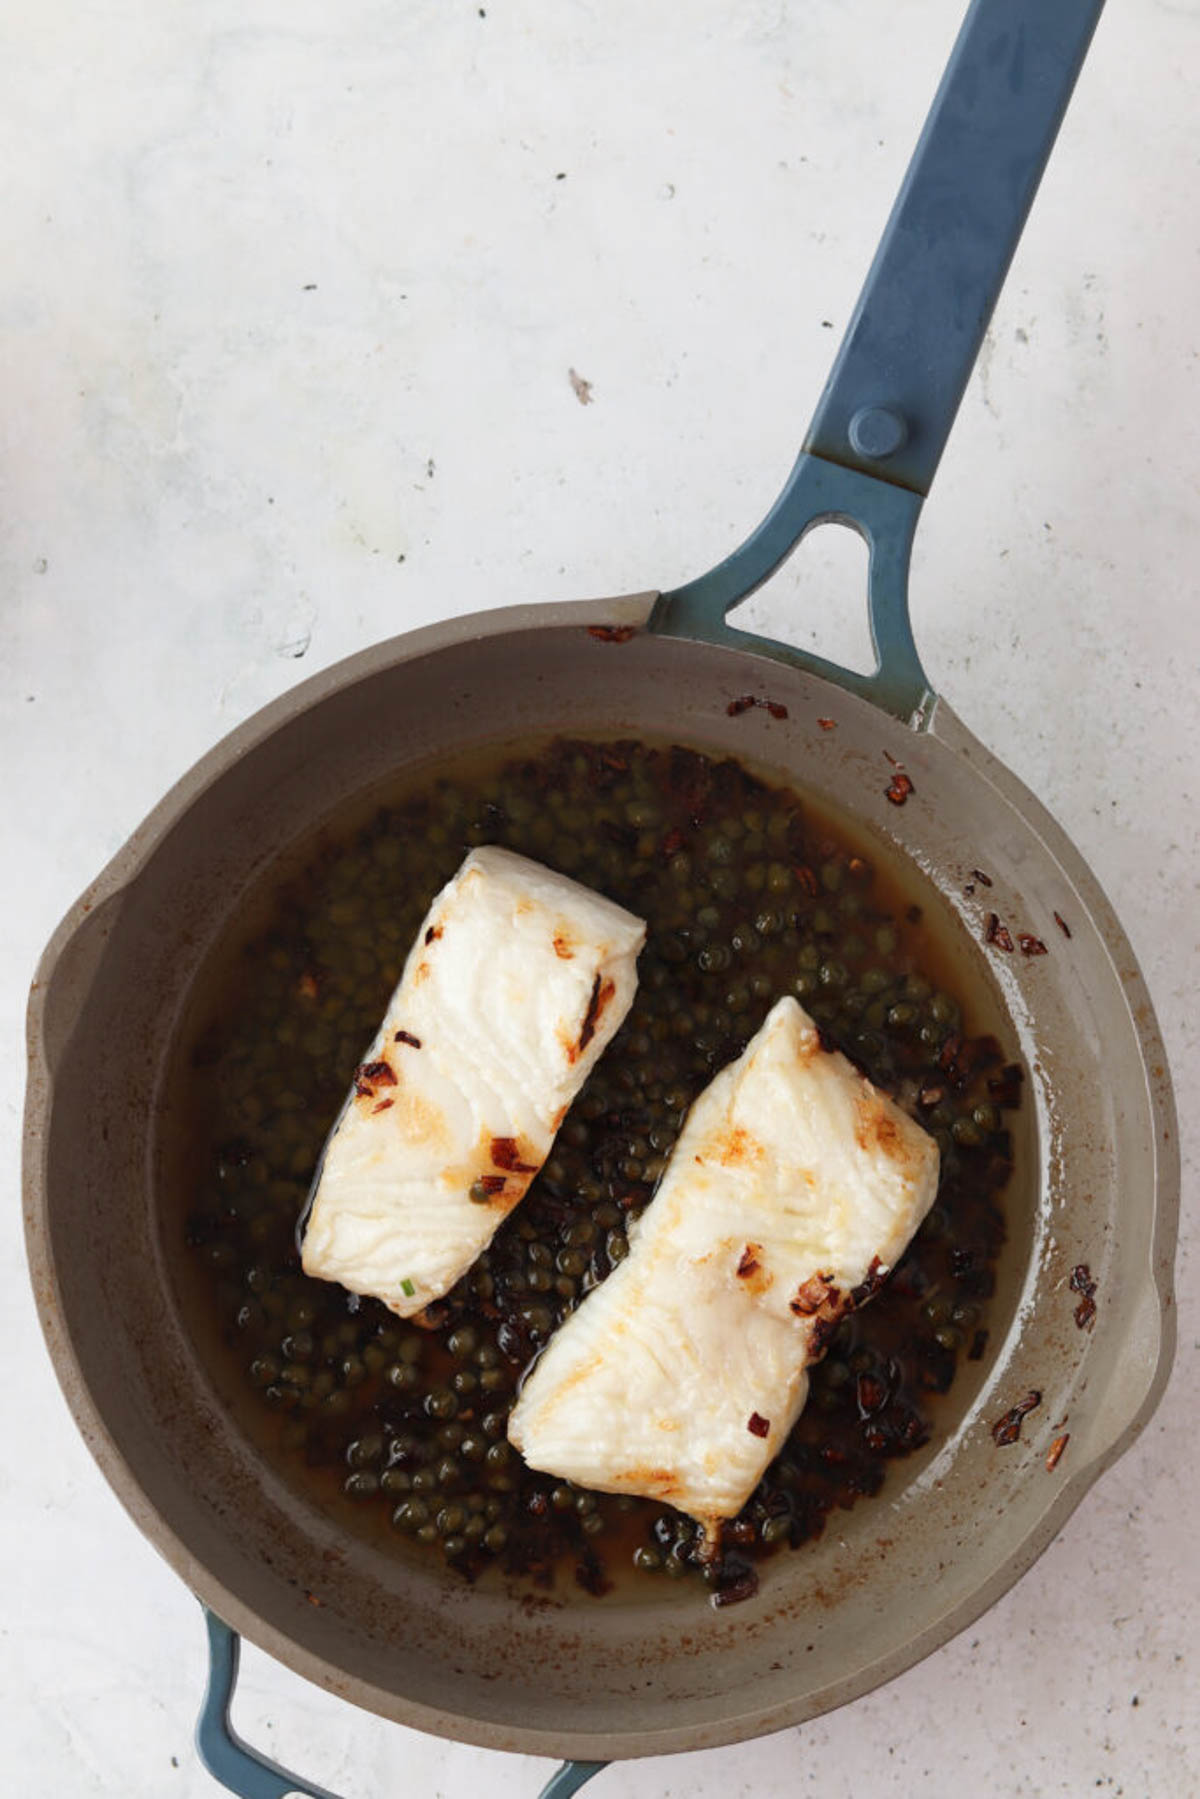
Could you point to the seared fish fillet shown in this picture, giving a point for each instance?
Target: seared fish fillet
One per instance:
(514, 987)
(794, 1187)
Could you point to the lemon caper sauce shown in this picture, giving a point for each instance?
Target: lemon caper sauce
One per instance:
(748, 895)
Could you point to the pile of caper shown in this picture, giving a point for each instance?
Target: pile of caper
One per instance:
(746, 899)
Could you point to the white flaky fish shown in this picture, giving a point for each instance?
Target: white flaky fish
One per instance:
(794, 1187)
(516, 983)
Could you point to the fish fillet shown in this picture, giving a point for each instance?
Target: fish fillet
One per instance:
(516, 983)
(794, 1187)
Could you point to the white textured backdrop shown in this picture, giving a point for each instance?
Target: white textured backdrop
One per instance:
(289, 294)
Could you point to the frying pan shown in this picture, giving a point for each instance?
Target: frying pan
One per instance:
(956, 1525)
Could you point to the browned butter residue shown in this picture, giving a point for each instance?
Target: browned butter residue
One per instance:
(654, 1483)
(562, 946)
(507, 1153)
(752, 1275)
(876, 1126)
(735, 1148)
(602, 992)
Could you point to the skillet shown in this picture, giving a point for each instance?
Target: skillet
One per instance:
(118, 975)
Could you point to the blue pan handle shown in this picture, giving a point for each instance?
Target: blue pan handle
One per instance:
(252, 1776)
(882, 422)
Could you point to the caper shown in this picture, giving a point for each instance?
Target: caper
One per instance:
(410, 1515)
(363, 1484)
(364, 1450)
(648, 1560)
(774, 1530)
(461, 1342)
(714, 958)
(495, 1538)
(441, 1403)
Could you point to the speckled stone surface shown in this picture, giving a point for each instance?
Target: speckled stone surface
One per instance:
(289, 304)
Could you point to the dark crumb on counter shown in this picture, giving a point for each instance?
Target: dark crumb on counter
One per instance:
(1030, 946)
(978, 875)
(828, 724)
(1054, 1457)
(612, 633)
(582, 389)
(1082, 1283)
(1007, 1430)
(998, 933)
(899, 788)
(1062, 924)
(758, 1426)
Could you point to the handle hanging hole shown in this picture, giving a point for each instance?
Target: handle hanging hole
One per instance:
(817, 600)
